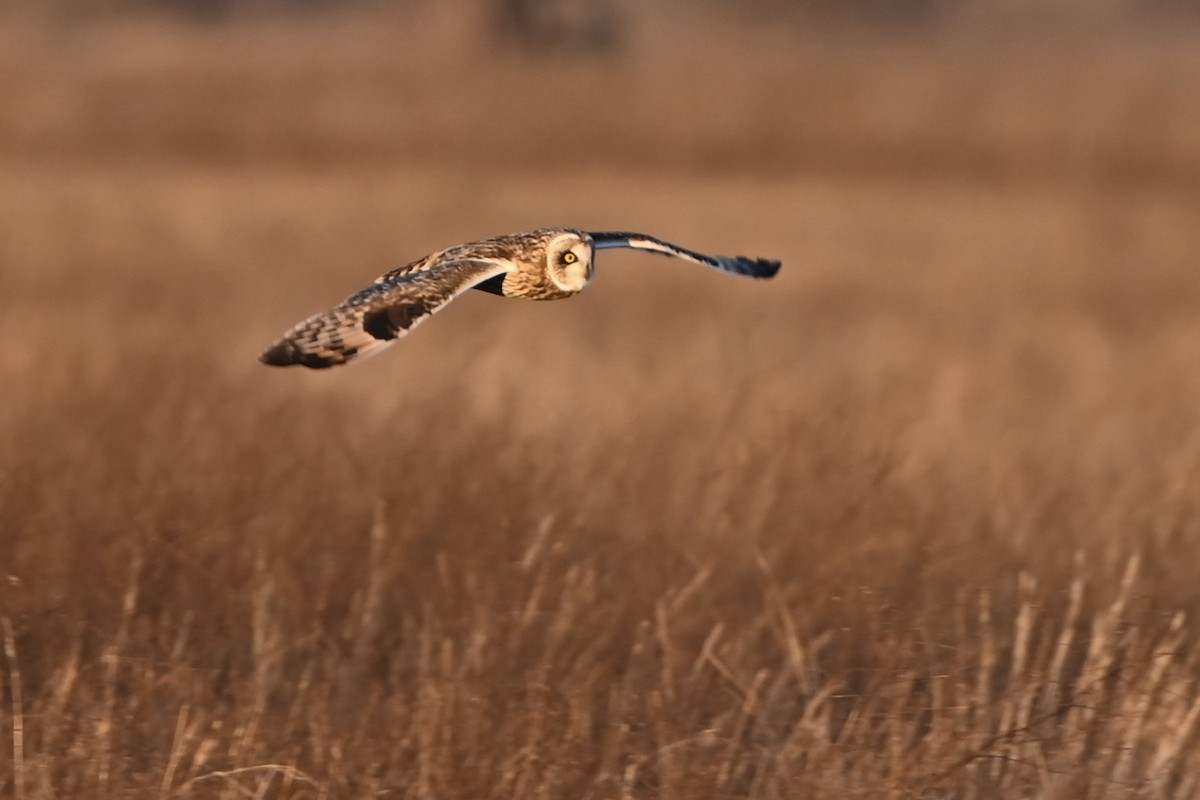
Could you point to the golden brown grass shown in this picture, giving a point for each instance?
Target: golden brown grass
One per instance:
(917, 519)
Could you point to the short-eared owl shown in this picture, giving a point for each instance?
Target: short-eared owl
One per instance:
(546, 264)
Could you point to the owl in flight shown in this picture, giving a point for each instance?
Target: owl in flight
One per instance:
(546, 264)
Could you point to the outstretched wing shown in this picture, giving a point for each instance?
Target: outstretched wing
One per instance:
(738, 265)
(369, 321)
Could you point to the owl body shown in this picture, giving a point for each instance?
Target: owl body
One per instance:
(536, 272)
(544, 264)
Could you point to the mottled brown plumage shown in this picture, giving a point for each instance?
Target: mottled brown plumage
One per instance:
(545, 264)
(373, 318)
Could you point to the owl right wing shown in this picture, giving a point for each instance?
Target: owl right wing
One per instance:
(370, 320)
(736, 265)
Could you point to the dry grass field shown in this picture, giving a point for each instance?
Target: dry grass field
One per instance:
(918, 519)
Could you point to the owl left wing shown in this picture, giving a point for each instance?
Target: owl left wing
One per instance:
(738, 265)
(370, 320)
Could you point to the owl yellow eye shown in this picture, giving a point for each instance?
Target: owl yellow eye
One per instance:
(569, 257)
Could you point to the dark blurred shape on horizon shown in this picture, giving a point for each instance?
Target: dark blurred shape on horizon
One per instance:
(559, 24)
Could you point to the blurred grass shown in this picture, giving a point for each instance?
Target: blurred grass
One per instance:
(918, 518)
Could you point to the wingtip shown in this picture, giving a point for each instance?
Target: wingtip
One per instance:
(277, 355)
(285, 354)
(761, 267)
(770, 267)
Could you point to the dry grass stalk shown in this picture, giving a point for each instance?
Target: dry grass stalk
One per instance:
(178, 745)
(371, 619)
(1052, 693)
(112, 663)
(18, 711)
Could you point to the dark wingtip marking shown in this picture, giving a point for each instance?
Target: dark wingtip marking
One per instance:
(763, 267)
(314, 361)
(286, 354)
(280, 354)
(750, 267)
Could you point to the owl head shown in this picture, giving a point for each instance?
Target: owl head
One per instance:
(569, 260)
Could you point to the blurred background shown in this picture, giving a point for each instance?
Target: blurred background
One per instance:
(949, 168)
(971, 394)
